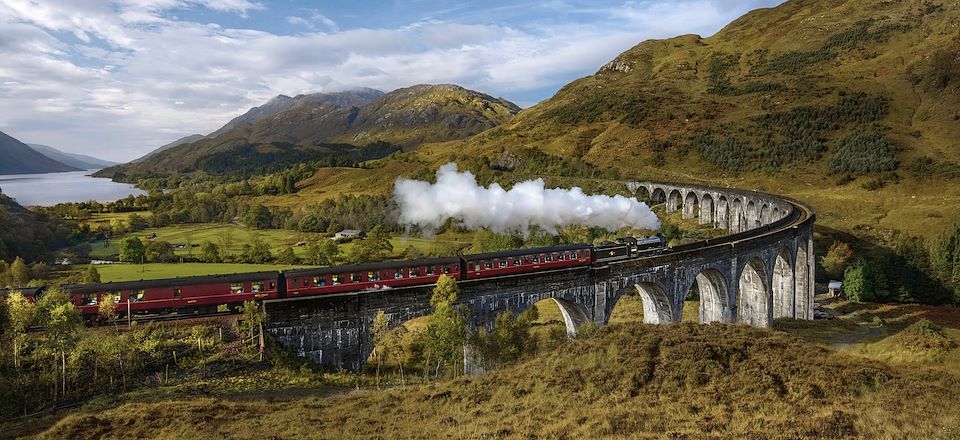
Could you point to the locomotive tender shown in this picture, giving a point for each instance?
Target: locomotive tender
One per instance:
(203, 294)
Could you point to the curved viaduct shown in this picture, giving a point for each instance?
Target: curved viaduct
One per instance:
(763, 269)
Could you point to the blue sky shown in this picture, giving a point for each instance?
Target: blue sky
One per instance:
(118, 78)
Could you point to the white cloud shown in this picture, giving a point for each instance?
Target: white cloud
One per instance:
(120, 78)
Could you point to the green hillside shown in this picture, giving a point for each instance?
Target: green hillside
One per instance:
(852, 106)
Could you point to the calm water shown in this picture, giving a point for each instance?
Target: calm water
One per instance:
(53, 188)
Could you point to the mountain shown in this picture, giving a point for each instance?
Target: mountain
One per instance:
(313, 125)
(18, 158)
(851, 106)
(184, 140)
(282, 103)
(81, 161)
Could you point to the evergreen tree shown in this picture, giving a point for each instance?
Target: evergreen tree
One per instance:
(91, 275)
(859, 281)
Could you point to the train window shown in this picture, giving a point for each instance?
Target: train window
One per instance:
(138, 294)
(373, 276)
(503, 263)
(354, 277)
(446, 269)
(414, 272)
(236, 287)
(116, 297)
(559, 256)
(88, 300)
(306, 281)
(528, 260)
(336, 280)
(256, 286)
(487, 264)
(273, 285)
(398, 274)
(431, 270)
(176, 292)
(476, 266)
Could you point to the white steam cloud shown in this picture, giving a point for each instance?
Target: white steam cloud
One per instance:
(457, 195)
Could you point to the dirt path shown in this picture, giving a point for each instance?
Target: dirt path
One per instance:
(868, 332)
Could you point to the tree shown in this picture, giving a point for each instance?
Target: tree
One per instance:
(61, 321)
(257, 252)
(379, 334)
(210, 252)
(447, 327)
(375, 247)
(287, 256)
(132, 250)
(323, 252)
(837, 259)
(258, 217)
(253, 316)
(4, 273)
(509, 341)
(40, 271)
(159, 251)
(22, 314)
(118, 226)
(859, 281)
(107, 307)
(136, 222)
(91, 275)
(19, 273)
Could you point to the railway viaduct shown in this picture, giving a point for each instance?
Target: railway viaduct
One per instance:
(761, 270)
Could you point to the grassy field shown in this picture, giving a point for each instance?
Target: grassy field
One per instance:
(153, 271)
(232, 237)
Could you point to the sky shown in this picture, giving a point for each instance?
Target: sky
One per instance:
(117, 79)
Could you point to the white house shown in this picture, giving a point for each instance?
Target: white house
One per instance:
(347, 233)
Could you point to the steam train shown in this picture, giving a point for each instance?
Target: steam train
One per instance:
(203, 294)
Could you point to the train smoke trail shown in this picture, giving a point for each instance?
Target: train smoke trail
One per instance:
(457, 195)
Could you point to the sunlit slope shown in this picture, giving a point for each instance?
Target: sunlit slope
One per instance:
(852, 106)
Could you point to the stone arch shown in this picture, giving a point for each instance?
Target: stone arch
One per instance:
(753, 217)
(691, 206)
(765, 218)
(573, 315)
(657, 307)
(723, 213)
(658, 196)
(714, 306)
(736, 216)
(643, 194)
(753, 295)
(776, 213)
(802, 274)
(674, 201)
(706, 209)
(783, 286)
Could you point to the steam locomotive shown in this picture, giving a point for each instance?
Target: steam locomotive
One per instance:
(203, 294)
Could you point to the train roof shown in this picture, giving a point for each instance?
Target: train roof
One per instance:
(26, 291)
(173, 282)
(369, 267)
(529, 251)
